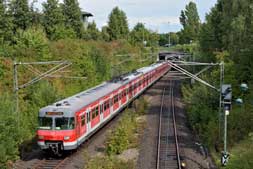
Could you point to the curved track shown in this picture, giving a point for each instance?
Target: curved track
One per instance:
(168, 153)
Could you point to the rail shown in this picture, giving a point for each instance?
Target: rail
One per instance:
(168, 153)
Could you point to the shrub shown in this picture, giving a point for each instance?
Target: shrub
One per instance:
(31, 43)
(9, 136)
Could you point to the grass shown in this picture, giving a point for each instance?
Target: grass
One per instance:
(241, 155)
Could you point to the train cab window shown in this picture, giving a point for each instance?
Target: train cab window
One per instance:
(45, 123)
(64, 123)
(83, 120)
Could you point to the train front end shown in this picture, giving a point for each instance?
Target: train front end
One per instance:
(56, 132)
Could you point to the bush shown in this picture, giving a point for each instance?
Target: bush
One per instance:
(62, 32)
(9, 135)
(32, 43)
(109, 163)
(124, 136)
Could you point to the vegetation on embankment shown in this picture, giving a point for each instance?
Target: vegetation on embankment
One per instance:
(94, 60)
(125, 136)
(225, 36)
(203, 114)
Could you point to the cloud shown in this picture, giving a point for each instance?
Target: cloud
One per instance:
(155, 13)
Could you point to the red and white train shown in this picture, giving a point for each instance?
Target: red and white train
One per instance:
(68, 123)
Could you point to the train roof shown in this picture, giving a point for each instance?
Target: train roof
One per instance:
(75, 103)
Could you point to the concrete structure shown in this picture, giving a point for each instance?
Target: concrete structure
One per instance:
(84, 18)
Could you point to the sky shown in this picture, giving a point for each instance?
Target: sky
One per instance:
(158, 15)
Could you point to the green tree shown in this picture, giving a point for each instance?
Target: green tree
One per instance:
(8, 131)
(191, 23)
(36, 15)
(32, 43)
(117, 24)
(6, 24)
(164, 39)
(21, 14)
(104, 33)
(72, 14)
(139, 34)
(92, 32)
(53, 18)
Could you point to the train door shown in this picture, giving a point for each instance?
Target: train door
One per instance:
(120, 97)
(127, 95)
(123, 96)
(130, 91)
(111, 104)
(101, 106)
(88, 120)
(78, 126)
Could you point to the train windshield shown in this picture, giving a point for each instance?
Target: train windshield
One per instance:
(64, 123)
(45, 123)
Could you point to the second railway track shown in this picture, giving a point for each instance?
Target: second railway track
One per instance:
(168, 153)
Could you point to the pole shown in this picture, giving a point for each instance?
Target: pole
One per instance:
(15, 77)
(225, 132)
(169, 39)
(220, 105)
(169, 34)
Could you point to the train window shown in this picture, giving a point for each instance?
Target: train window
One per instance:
(64, 123)
(93, 113)
(115, 99)
(83, 120)
(96, 111)
(45, 123)
(106, 105)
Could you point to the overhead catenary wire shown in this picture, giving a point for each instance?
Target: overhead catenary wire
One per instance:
(175, 66)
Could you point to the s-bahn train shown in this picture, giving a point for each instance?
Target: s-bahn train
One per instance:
(66, 124)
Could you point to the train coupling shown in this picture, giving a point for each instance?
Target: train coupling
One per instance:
(56, 148)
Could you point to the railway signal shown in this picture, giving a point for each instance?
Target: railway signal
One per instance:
(226, 93)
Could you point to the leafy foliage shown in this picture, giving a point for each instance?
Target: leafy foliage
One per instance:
(72, 13)
(9, 135)
(32, 43)
(21, 14)
(109, 163)
(53, 19)
(6, 23)
(117, 24)
(191, 23)
(92, 32)
(124, 136)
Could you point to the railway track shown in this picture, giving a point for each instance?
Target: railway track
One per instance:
(168, 153)
(51, 164)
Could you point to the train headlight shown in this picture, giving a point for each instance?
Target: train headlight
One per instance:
(41, 137)
(66, 137)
